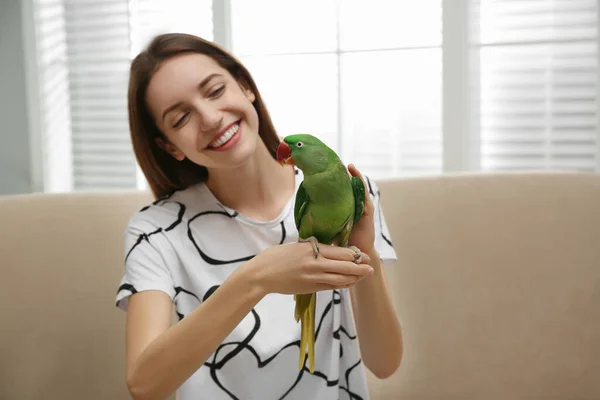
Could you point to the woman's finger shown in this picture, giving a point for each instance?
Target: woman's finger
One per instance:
(342, 253)
(346, 268)
(355, 172)
(323, 287)
(336, 280)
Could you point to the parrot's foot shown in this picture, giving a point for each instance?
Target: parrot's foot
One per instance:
(357, 254)
(315, 244)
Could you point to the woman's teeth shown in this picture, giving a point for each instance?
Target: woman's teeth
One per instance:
(225, 137)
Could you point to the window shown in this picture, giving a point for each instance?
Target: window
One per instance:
(364, 77)
(539, 84)
(53, 94)
(399, 88)
(85, 49)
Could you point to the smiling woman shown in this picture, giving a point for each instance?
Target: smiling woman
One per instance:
(220, 242)
(183, 86)
(204, 119)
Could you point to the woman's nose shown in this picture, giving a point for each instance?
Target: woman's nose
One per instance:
(210, 117)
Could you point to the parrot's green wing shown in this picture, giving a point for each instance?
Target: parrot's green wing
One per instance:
(342, 238)
(358, 187)
(301, 204)
(358, 190)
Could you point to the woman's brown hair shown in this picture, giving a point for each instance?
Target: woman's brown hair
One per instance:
(163, 172)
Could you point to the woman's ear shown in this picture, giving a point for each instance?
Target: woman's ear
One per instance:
(247, 90)
(250, 95)
(170, 148)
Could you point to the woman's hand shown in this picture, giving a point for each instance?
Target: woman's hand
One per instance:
(293, 269)
(363, 232)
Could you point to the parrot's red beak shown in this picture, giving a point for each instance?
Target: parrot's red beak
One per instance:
(284, 154)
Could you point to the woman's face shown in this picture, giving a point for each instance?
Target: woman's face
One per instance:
(203, 111)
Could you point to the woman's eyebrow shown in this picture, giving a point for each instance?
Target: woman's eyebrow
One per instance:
(206, 80)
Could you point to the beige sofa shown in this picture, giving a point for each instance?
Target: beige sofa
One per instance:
(497, 288)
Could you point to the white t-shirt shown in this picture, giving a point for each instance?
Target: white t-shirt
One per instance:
(186, 245)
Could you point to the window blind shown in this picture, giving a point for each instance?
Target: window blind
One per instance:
(366, 78)
(98, 43)
(53, 93)
(102, 37)
(539, 89)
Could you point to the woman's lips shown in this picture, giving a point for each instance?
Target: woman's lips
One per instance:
(228, 139)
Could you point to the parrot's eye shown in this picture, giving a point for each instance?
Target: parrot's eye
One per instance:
(299, 144)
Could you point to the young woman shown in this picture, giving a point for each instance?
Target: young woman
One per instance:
(221, 244)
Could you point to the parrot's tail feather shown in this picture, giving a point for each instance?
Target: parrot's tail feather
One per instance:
(302, 344)
(300, 313)
(305, 312)
(311, 333)
(297, 310)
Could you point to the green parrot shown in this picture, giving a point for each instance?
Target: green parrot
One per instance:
(328, 203)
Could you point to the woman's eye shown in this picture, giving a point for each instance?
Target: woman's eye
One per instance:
(217, 92)
(180, 121)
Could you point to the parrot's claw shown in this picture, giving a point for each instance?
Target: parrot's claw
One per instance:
(357, 254)
(314, 243)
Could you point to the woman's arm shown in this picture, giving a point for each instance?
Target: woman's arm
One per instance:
(379, 331)
(161, 357)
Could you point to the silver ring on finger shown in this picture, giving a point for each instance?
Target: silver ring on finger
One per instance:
(357, 256)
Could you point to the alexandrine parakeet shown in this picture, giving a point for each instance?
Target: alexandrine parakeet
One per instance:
(329, 201)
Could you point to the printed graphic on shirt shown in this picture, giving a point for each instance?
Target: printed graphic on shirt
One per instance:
(187, 245)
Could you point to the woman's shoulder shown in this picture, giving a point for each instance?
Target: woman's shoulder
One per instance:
(171, 209)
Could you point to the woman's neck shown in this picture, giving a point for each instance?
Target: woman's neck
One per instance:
(259, 189)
